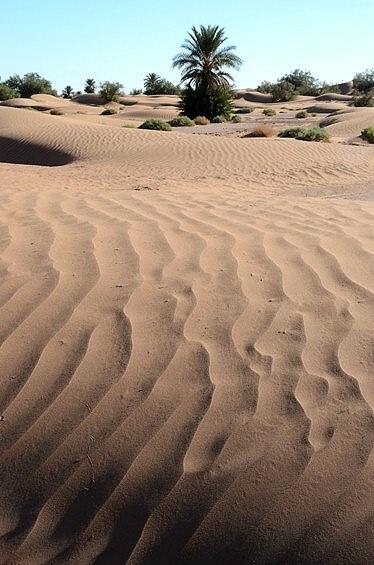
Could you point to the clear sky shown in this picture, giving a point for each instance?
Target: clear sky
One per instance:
(122, 40)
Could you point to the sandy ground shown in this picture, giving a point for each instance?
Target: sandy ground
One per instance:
(187, 358)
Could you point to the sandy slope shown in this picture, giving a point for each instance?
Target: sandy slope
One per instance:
(186, 347)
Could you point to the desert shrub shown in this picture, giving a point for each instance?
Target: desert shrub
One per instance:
(269, 112)
(6, 93)
(306, 134)
(110, 91)
(265, 87)
(68, 92)
(368, 134)
(90, 86)
(136, 91)
(56, 112)
(181, 121)
(155, 124)
(154, 84)
(129, 126)
(364, 82)
(219, 120)
(236, 119)
(365, 100)
(201, 121)
(245, 110)
(109, 112)
(30, 84)
(302, 114)
(283, 91)
(211, 102)
(261, 131)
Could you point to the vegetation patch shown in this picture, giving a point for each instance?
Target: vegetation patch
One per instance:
(181, 121)
(109, 112)
(269, 112)
(56, 112)
(236, 119)
(219, 120)
(155, 125)
(306, 134)
(302, 114)
(368, 134)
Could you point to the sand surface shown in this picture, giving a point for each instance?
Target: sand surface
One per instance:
(187, 358)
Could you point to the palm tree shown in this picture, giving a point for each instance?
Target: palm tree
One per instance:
(90, 86)
(151, 83)
(204, 59)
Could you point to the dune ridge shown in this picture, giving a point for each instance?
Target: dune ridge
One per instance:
(186, 347)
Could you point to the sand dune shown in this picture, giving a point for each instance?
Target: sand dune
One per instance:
(186, 347)
(349, 123)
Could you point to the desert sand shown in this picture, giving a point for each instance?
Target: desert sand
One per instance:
(186, 327)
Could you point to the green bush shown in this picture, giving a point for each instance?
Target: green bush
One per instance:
(136, 91)
(110, 91)
(236, 119)
(90, 86)
(6, 93)
(283, 91)
(306, 134)
(30, 84)
(219, 120)
(109, 112)
(302, 114)
(269, 112)
(201, 121)
(56, 112)
(211, 102)
(245, 110)
(181, 121)
(364, 82)
(154, 84)
(368, 134)
(68, 92)
(155, 124)
(365, 100)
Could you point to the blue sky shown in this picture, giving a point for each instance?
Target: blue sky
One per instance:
(123, 40)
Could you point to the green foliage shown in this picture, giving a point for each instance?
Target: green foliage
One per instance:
(30, 84)
(155, 124)
(219, 120)
(109, 112)
(283, 91)
(90, 86)
(294, 83)
(67, 92)
(56, 112)
(302, 114)
(181, 121)
(368, 134)
(306, 134)
(211, 102)
(204, 60)
(236, 119)
(364, 82)
(154, 84)
(201, 121)
(265, 87)
(365, 100)
(6, 93)
(110, 91)
(136, 91)
(269, 112)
